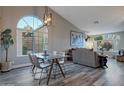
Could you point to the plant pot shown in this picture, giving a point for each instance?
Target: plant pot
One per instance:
(6, 66)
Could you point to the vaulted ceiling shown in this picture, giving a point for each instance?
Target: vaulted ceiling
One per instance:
(93, 19)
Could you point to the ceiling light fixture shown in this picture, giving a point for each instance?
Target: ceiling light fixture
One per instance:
(96, 22)
(47, 18)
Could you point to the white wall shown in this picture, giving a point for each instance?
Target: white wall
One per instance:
(59, 33)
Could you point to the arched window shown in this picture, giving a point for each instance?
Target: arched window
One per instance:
(31, 35)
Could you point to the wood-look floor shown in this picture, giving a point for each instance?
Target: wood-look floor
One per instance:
(76, 75)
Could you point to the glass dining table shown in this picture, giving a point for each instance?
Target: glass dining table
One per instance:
(54, 59)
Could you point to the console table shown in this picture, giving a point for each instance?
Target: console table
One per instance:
(120, 58)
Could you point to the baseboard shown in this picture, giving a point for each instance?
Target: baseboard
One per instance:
(21, 65)
(17, 66)
(86, 65)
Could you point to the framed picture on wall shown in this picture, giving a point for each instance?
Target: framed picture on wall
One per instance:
(76, 38)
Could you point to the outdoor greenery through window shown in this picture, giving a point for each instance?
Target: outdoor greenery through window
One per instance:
(103, 42)
(31, 35)
(107, 42)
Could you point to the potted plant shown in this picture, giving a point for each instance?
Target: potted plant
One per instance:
(6, 42)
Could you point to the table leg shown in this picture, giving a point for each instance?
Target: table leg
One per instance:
(50, 72)
(33, 69)
(60, 68)
(56, 60)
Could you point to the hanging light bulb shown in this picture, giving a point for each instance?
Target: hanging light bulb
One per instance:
(47, 19)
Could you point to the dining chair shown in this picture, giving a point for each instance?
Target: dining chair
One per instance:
(39, 60)
(61, 62)
(33, 70)
(43, 66)
(38, 64)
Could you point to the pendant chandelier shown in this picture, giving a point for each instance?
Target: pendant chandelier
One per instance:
(47, 18)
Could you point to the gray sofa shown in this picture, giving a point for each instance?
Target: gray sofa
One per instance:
(85, 57)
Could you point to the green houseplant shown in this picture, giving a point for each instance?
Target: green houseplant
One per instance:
(6, 42)
(98, 37)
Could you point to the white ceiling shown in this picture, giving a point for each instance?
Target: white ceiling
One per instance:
(111, 19)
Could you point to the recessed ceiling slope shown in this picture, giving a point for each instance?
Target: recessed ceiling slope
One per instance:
(93, 19)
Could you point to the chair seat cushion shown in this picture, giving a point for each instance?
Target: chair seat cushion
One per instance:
(43, 65)
(61, 62)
